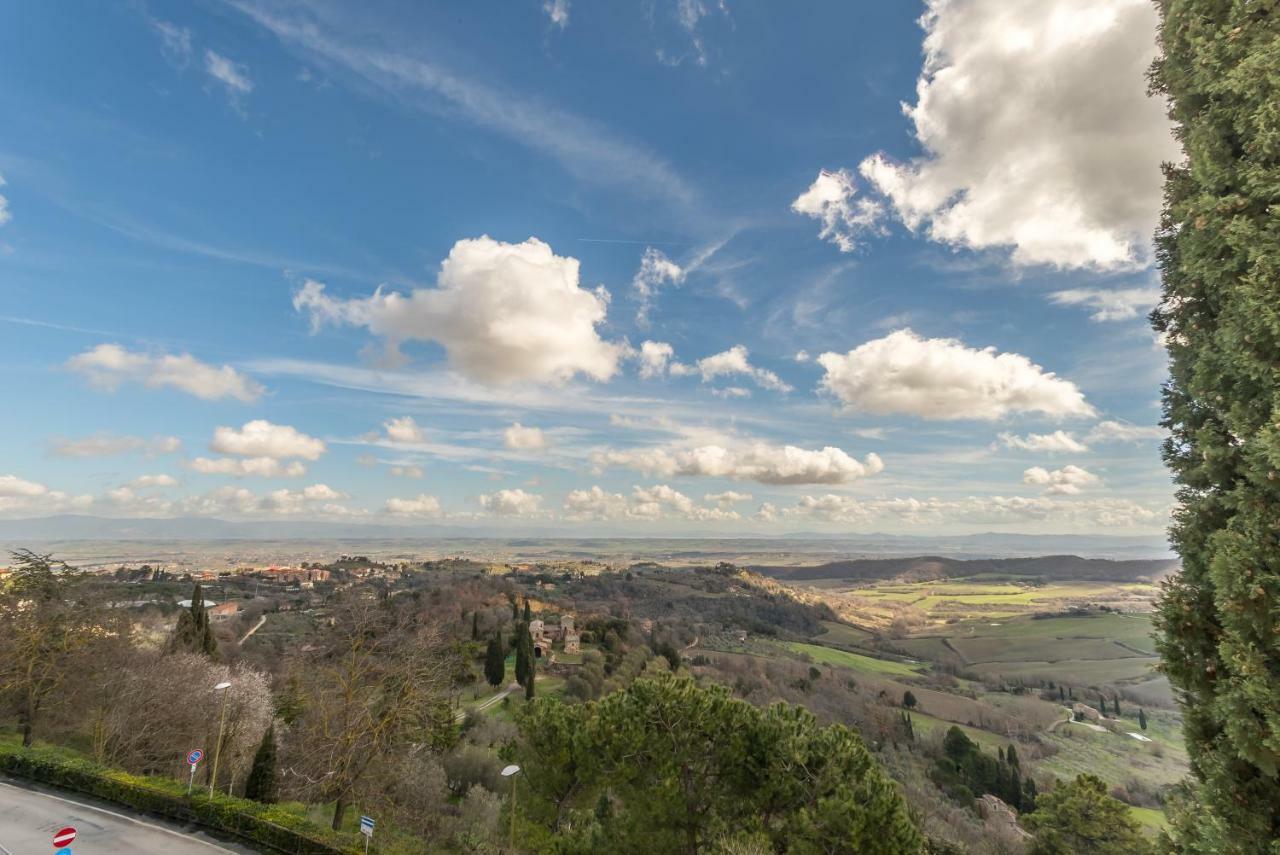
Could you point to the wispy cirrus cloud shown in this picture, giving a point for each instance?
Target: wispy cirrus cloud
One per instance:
(584, 148)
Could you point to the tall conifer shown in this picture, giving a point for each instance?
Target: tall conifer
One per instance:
(1219, 254)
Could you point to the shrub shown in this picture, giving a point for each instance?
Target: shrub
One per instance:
(269, 826)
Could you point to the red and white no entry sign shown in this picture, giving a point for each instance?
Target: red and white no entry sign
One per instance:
(64, 837)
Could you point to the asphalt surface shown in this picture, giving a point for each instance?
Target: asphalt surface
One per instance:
(29, 818)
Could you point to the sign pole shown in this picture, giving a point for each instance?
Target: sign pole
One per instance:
(366, 828)
(193, 758)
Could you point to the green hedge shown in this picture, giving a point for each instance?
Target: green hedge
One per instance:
(265, 825)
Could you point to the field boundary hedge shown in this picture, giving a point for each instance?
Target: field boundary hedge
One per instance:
(251, 822)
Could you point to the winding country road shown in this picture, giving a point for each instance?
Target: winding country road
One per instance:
(29, 817)
(257, 626)
(487, 702)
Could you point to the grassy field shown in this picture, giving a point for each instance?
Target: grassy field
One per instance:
(843, 634)
(924, 724)
(1088, 671)
(944, 601)
(1092, 649)
(854, 661)
(1151, 818)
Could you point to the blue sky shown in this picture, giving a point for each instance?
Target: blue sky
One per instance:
(651, 267)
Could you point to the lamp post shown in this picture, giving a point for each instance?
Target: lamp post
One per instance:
(217, 748)
(510, 772)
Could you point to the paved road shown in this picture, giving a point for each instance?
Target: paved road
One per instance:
(487, 702)
(28, 819)
(257, 626)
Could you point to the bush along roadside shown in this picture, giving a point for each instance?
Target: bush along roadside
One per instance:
(268, 826)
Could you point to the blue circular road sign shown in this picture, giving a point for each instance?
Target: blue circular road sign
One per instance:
(194, 757)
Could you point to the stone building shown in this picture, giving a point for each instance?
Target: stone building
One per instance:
(1084, 712)
(544, 635)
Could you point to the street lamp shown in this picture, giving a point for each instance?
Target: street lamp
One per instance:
(510, 772)
(217, 748)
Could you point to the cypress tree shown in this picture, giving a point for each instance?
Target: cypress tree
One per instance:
(262, 784)
(1219, 253)
(475, 626)
(1115, 706)
(495, 662)
(1142, 718)
(528, 613)
(530, 679)
(524, 653)
(193, 632)
(1014, 796)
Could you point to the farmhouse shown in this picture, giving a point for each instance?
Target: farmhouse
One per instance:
(1084, 712)
(545, 634)
(225, 611)
(1000, 814)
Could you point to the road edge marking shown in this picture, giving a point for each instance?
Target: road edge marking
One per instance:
(125, 817)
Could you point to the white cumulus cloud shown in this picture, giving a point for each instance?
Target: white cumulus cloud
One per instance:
(558, 12)
(315, 500)
(1069, 480)
(1037, 131)
(511, 503)
(405, 470)
(13, 486)
(728, 498)
(108, 366)
(1114, 431)
(657, 358)
(521, 438)
(655, 271)
(261, 438)
(150, 481)
(735, 362)
(421, 505)
(1057, 442)
(503, 312)
(970, 510)
(403, 430)
(1109, 304)
(830, 200)
(940, 378)
(760, 462)
(596, 504)
(244, 467)
(644, 503)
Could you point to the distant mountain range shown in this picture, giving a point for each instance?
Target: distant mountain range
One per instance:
(17, 533)
(927, 568)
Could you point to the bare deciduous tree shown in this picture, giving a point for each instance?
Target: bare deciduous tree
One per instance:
(48, 623)
(377, 684)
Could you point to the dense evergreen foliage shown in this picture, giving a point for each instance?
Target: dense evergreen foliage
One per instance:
(495, 662)
(193, 632)
(965, 772)
(1219, 252)
(524, 653)
(263, 785)
(669, 766)
(1079, 817)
